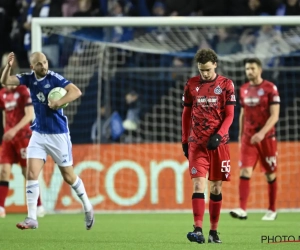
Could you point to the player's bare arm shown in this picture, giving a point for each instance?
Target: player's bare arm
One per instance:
(6, 78)
(72, 94)
(27, 118)
(273, 119)
(241, 124)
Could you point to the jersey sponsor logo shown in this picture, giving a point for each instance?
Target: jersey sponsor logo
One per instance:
(260, 92)
(276, 99)
(218, 90)
(10, 105)
(193, 170)
(251, 101)
(209, 101)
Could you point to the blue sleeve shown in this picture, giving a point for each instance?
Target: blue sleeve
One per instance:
(59, 81)
(24, 79)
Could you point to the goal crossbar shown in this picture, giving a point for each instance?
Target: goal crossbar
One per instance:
(221, 21)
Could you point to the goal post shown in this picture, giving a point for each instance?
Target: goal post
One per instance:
(138, 165)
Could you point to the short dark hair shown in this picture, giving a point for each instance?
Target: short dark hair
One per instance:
(254, 60)
(206, 55)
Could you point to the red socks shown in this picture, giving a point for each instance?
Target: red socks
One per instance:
(3, 192)
(215, 204)
(272, 187)
(244, 190)
(198, 204)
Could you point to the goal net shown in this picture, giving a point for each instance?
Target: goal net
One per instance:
(126, 127)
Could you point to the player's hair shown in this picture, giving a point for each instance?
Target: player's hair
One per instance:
(206, 55)
(254, 60)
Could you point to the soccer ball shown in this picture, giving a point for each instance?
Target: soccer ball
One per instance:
(56, 94)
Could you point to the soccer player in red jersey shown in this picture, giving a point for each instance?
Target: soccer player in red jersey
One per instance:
(17, 115)
(260, 103)
(208, 112)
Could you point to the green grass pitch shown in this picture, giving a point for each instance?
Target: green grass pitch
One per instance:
(144, 231)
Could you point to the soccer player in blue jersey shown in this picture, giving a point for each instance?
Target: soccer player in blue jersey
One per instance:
(50, 133)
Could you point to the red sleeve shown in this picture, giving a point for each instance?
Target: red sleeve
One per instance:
(273, 96)
(186, 123)
(187, 99)
(187, 102)
(241, 97)
(230, 93)
(229, 114)
(26, 99)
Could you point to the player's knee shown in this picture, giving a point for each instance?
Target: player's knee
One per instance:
(270, 176)
(69, 176)
(5, 173)
(215, 187)
(199, 187)
(32, 174)
(246, 172)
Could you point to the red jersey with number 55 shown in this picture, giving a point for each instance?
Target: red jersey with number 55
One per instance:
(256, 101)
(13, 102)
(208, 100)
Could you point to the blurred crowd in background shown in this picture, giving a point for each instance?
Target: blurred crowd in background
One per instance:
(16, 15)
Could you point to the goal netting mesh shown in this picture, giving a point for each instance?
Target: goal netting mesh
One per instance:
(126, 127)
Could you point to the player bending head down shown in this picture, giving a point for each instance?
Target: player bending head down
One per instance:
(208, 101)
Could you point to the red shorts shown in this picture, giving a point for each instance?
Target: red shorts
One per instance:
(214, 162)
(265, 152)
(14, 151)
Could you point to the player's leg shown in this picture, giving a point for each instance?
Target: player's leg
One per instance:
(7, 158)
(21, 149)
(36, 157)
(198, 165)
(215, 204)
(59, 147)
(5, 170)
(248, 159)
(219, 171)
(40, 209)
(268, 155)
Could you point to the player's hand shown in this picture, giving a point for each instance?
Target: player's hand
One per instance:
(10, 59)
(54, 104)
(9, 135)
(214, 142)
(185, 148)
(257, 138)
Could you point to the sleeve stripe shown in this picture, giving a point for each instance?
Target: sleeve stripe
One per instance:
(187, 104)
(230, 103)
(271, 103)
(28, 104)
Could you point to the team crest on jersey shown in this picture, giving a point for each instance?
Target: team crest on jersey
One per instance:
(218, 90)
(193, 170)
(41, 97)
(260, 92)
(197, 89)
